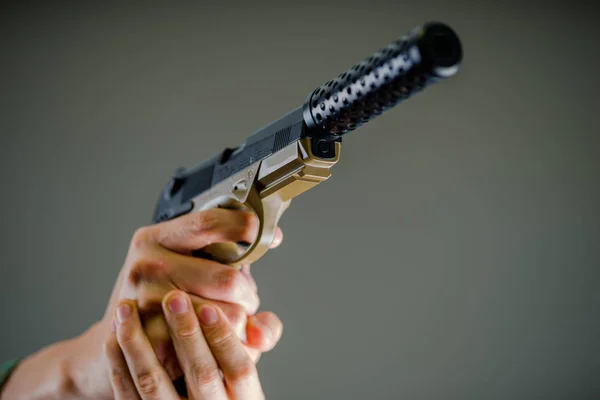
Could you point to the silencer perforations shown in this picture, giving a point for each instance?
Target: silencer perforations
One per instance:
(368, 88)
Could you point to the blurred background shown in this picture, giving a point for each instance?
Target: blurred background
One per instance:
(454, 252)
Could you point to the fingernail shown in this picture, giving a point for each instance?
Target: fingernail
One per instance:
(178, 304)
(208, 315)
(123, 312)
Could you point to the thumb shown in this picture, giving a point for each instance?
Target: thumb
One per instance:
(263, 331)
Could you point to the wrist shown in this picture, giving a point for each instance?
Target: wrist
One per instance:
(42, 375)
(86, 367)
(70, 369)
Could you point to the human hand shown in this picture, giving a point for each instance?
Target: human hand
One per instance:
(160, 260)
(206, 346)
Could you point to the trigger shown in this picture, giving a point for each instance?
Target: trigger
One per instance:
(203, 255)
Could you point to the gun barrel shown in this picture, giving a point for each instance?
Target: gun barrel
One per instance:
(427, 54)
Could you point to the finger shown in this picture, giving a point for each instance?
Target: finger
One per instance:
(246, 271)
(277, 239)
(120, 379)
(158, 334)
(162, 271)
(150, 298)
(263, 331)
(239, 371)
(156, 328)
(197, 362)
(199, 229)
(216, 251)
(236, 315)
(150, 379)
(254, 354)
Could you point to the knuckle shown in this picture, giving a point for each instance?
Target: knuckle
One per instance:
(110, 348)
(148, 383)
(249, 227)
(242, 373)
(119, 380)
(205, 222)
(230, 281)
(221, 338)
(255, 305)
(187, 330)
(204, 375)
(127, 337)
(236, 315)
(145, 267)
(140, 237)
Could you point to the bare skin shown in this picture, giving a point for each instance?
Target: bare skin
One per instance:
(159, 261)
(206, 346)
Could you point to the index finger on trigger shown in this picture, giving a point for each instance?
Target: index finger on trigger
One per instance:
(197, 230)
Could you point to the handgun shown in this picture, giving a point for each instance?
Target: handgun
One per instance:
(297, 151)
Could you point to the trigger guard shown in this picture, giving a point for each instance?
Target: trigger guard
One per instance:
(229, 253)
(265, 233)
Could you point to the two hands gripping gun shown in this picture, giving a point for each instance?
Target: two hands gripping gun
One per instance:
(296, 152)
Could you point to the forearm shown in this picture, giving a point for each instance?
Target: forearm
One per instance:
(70, 369)
(45, 374)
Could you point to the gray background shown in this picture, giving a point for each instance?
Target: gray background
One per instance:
(453, 254)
